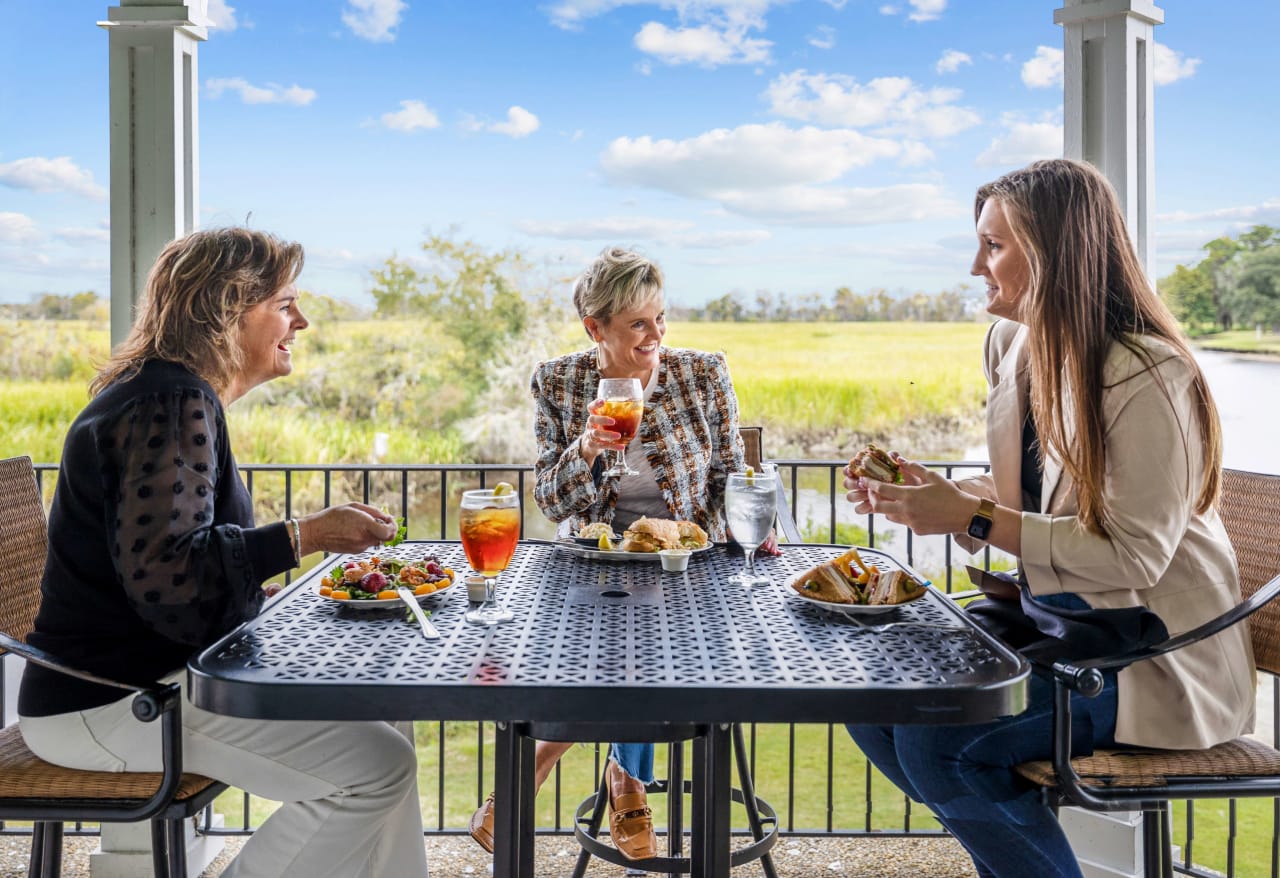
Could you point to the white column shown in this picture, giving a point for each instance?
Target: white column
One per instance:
(154, 133)
(1109, 68)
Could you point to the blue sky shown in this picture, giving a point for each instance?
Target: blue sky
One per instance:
(747, 145)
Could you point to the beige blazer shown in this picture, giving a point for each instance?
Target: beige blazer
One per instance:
(1159, 552)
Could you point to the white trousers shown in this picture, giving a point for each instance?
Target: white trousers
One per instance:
(350, 790)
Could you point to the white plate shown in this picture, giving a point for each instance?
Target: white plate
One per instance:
(571, 545)
(854, 609)
(381, 605)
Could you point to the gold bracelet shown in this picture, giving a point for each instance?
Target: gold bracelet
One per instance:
(295, 538)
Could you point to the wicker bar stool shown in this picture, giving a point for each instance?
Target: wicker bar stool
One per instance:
(1147, 780)
(32, 789)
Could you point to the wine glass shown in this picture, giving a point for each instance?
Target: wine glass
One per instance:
(489, 524)
(750, 504)
(623, 400)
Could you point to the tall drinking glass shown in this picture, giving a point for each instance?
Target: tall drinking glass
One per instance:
(750, 504)
(489, 524)
(624, 402)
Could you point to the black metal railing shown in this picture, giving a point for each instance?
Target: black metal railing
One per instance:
(427, 494)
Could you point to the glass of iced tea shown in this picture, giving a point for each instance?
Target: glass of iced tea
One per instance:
(623, 400)
(489, 524)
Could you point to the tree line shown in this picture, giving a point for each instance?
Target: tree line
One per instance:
(877, 305)
(1235, 286)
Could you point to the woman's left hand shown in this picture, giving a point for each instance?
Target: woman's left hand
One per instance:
(770, 545)
(926, 502)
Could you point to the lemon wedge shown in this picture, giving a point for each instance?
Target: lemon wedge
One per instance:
(502, 489)
(604, 543)
(751, 477)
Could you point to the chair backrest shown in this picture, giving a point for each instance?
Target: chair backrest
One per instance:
(752, 445)
(24, 542)
(1250, 509)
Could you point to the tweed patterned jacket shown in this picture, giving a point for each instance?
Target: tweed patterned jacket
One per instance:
(689, 435)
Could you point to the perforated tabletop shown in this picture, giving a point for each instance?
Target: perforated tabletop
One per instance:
(622, 640)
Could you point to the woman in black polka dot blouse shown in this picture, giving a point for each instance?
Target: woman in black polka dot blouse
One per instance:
(154, 554)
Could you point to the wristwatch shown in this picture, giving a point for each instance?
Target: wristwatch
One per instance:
(980, 524)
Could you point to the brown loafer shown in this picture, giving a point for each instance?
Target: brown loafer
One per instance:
(631, 826)
(482, 824)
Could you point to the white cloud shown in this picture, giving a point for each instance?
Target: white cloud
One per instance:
(951, 61)
(59, 174)
(570, 14)
(921, 10)
(78, 235)
(271, 93)
(520, 123)
(824, 37)
(672, 233)
(927, 10)
(374, 20)
(778, 174)
(1044, 70)
(891, 104)
(706, 45)
(602, 228)
(17, 228)
(836, 206)
(836, 4)
(1267, 209)
(1170, 66)
(1023, 142)
(750, 156)
(222, 16)
(411, 116)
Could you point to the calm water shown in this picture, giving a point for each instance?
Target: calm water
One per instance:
(1247, 392)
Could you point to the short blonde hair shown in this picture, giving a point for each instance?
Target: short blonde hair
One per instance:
(618, 280)
(197, 292)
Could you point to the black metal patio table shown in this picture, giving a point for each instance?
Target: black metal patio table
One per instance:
(613, 643)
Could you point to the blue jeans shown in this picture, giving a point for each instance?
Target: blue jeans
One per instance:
(635, 759)
(964, 774)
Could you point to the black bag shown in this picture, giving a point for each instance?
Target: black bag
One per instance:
(1045, 634)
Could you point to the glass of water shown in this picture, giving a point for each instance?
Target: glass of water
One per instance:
(750, 504)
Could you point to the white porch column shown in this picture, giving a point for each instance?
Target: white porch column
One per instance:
(1109, 71)
(154, 133)
(1109, 68)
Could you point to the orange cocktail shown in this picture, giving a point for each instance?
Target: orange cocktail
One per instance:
(489, 524)
(489, 537)
(626, 414)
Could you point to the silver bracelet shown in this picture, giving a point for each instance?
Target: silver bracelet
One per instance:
(295, 535)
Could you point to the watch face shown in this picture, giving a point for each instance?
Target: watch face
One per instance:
(979, 527)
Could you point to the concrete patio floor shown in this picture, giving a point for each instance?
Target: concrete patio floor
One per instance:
(459, 857)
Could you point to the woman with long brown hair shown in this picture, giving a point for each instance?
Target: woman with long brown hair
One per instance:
(1106, 461)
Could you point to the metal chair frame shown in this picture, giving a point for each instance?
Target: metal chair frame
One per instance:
(22, 524)
(1254, 554)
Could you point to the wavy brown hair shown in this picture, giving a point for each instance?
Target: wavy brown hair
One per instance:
(1087, 291)
(197, 292)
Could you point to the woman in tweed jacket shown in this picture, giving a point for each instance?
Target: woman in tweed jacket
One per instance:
(688, 437)
(687, 444)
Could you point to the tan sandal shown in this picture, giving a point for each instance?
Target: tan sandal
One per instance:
(482, 825)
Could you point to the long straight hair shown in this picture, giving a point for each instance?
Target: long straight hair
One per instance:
(197, 292)
(1087, 291)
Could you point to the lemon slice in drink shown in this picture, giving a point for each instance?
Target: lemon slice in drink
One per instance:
(502, 489)
(751, 477)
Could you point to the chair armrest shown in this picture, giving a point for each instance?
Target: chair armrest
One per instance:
(1085, 675)
(784, 521)
(152, 699)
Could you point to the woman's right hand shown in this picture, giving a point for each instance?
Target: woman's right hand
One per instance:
(351, 527)
(598, 436)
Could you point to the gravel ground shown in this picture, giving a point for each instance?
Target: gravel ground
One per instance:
(460, 857)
